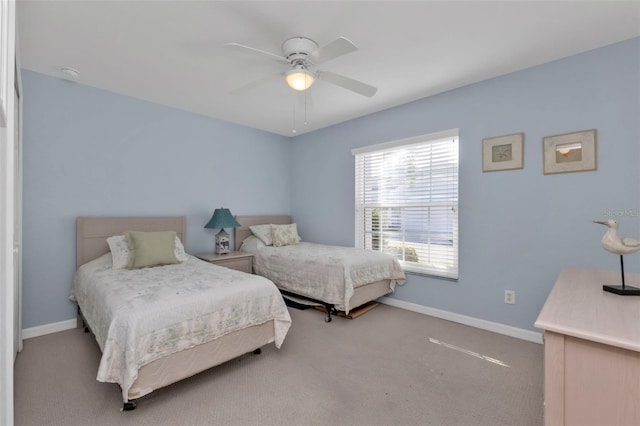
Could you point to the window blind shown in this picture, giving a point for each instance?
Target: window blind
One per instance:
(407, 202)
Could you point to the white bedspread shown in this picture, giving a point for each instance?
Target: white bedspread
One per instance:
(141, 315)
(326, 273)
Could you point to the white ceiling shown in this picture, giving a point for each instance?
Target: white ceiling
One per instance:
(172, 52)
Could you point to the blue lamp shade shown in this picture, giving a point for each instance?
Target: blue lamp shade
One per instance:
(222, 218)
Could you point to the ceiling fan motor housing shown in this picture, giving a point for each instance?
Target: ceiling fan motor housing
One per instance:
(298, 49)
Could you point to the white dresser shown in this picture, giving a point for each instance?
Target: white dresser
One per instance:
(592, 350)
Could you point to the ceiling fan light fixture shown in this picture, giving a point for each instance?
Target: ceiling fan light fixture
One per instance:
(299, 78)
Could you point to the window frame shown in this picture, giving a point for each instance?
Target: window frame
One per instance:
(362, 232)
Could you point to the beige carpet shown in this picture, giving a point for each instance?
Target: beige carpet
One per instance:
(387, 367)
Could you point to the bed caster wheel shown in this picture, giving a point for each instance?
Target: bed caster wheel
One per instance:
(257, 351)
(86, 329)
(129, 406)
(327, 319)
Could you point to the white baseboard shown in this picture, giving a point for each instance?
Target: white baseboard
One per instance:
(495, 327)
(54, 327)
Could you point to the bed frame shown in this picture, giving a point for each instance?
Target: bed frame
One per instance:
(361, 295)
(92, 234)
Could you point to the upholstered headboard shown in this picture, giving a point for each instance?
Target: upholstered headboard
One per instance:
(92, 232)
(246, 221)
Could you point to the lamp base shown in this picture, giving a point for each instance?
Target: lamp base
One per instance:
(222, 242)
(622, 291)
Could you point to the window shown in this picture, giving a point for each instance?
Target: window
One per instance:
(407, 202)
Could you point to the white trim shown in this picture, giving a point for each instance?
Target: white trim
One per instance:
(54, 327)
(451, 133)
(7, 212)
(495, 327)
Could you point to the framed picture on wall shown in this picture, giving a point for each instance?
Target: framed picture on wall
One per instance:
(569, 152)
(503, 152)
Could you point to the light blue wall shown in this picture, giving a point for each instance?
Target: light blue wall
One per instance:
(89, 152)
(517, 228)
(92, 152)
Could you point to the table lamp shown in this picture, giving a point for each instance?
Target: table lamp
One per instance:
(222, 218)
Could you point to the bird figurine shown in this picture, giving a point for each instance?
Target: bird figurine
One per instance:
(612, 242)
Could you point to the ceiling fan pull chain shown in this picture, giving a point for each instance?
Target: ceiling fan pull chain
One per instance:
(293, 130)
(305, 107)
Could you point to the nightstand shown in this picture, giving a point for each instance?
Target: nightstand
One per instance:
(238, 260)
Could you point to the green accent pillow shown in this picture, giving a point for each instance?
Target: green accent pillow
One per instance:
(284, 235)
(151, 248)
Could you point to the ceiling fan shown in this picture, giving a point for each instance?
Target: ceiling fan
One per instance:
(302, 55)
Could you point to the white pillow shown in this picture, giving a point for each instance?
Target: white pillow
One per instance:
(181, 255)
(263, 232)
(119, 251)
(119, 248)
(251, 244)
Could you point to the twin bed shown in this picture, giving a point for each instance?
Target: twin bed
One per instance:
(338, 278)
(158, 325)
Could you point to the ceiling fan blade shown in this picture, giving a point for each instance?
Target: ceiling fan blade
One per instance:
(348, 83)
(256, 83)
(336, 48)
(269, 55)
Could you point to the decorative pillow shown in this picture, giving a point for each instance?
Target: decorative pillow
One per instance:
(180, 253)
(284, 235)
(251, 244)
(151, 248)
(263, 232)
(119, 247)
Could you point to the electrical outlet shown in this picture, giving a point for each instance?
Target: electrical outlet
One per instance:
(510, 297)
